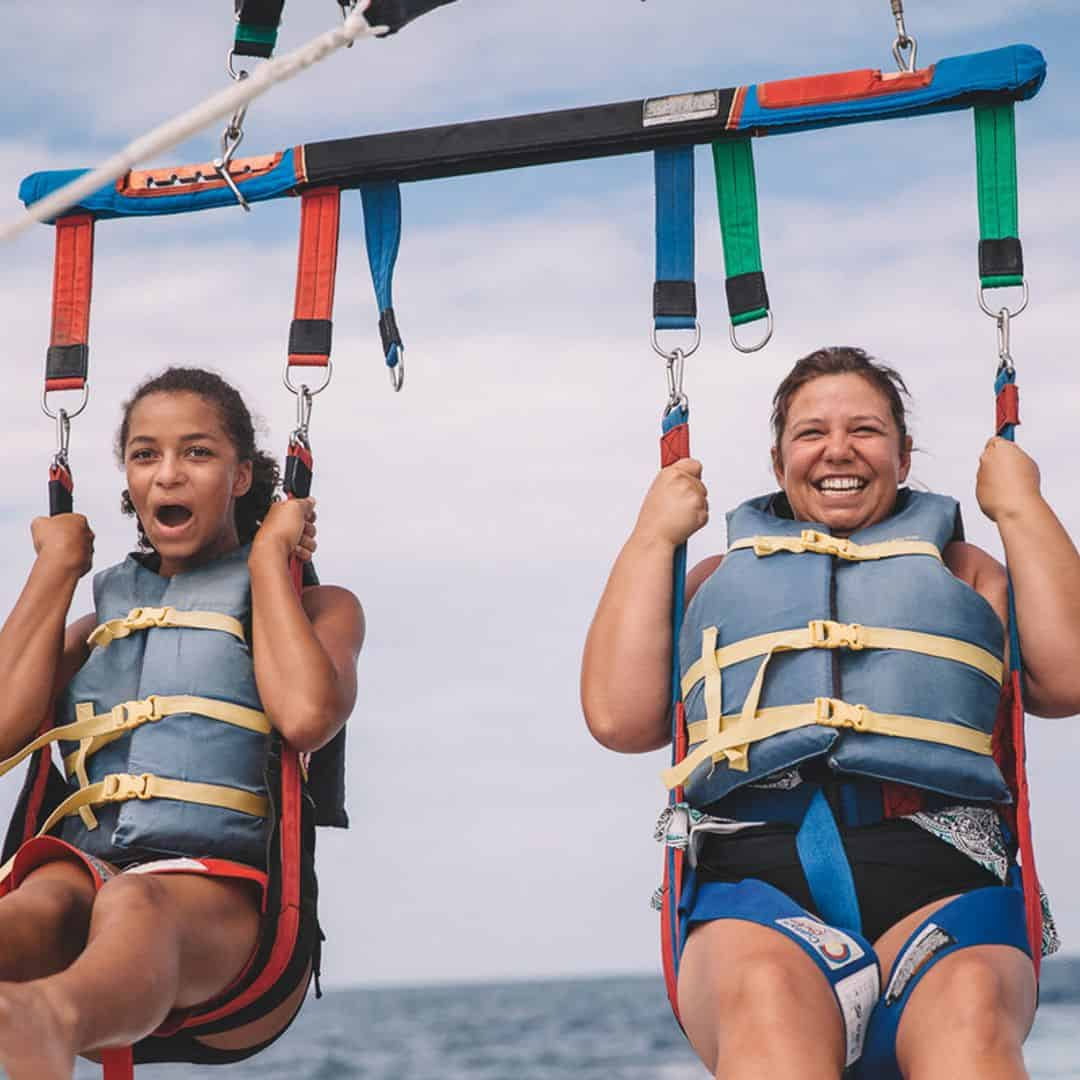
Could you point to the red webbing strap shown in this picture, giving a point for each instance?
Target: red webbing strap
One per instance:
(674, 446)
(118, 1064)
(73, 274)
(1007, 407)
(310, 334)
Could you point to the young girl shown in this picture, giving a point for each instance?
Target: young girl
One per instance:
(198, 649)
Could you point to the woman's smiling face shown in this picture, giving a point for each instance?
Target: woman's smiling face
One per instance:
(183, 476)
(840, 457)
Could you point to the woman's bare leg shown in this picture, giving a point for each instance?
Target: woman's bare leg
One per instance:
(155, 944)
(756, 1007)
(969, 1015)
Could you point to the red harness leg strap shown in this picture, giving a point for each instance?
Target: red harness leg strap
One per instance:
(310, 333)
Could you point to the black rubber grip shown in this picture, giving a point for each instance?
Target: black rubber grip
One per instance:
(746, 292)
(674, 298)
(310, 337)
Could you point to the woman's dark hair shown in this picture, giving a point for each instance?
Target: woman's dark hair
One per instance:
(840, 360)
(251, 507)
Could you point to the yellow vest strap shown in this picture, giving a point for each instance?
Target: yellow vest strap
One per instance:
(107, 727)
(126, 716)
(818, 543)
(830, 712)
(119, 787)
(825, 634)
(143, 618)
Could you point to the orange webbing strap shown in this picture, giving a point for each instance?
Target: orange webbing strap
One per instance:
(68, 355)
(310, 333)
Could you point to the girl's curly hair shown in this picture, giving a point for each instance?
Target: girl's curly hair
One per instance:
(250, 508)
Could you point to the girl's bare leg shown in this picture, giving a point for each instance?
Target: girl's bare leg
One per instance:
(45, 921)
(155, 944)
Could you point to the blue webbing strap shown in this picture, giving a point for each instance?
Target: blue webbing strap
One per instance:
(826, 866)
(674, 297)
(382, 232)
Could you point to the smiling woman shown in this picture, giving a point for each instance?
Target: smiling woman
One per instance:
(148, 905)
(842, 805)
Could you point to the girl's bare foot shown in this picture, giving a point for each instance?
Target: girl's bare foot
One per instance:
(36, 1037)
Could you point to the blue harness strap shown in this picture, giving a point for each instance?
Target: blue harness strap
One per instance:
(990, 916)
(845, 958)
(826, 866)
(382, 232)
(674, 294)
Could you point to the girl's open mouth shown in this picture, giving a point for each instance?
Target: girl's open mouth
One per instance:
(172, 516)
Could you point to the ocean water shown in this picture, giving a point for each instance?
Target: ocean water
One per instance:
(582, 1029)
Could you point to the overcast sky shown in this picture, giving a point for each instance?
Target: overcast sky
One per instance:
(476, 514)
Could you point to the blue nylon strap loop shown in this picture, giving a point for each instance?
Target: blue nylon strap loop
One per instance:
(826, 866)
(674, 171)
(382, 232)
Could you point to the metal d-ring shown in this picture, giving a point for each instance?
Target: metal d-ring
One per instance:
(63, 412)
(761, 344)
(682, 352)
(304, 387)
(1012, 314)
(397, 371)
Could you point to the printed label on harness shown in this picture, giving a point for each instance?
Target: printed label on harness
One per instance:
(835, 947)
(679, 108)
(857, 995)
(929, 941)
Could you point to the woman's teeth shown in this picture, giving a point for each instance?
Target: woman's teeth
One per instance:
(841, 483)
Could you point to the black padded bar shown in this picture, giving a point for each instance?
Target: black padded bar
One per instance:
(507, 143)
(674, 298)
(746, 292)
(1003, 257)
(67, 361)
(388, 330)
(297, 478)
(310, 337)
(396, 13)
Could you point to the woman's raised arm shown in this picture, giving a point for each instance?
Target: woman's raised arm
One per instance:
(1045, 569)
(625, 674)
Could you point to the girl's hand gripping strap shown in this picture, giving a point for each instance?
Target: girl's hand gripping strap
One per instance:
(1006, 420)
(382, 232)
(67, 360)
(736, 193)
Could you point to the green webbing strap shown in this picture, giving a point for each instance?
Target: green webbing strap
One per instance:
(736, 193)
(257, 24)
(1001, 259)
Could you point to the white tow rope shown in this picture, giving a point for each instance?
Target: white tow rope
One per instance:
(223, 104)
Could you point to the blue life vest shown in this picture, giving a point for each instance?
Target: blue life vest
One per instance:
(152, 656)
(915, 713)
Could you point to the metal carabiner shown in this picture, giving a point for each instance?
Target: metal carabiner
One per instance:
(63, 439)
(761, 344)
(903, 40)
(232, 137)
(1005, 360)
